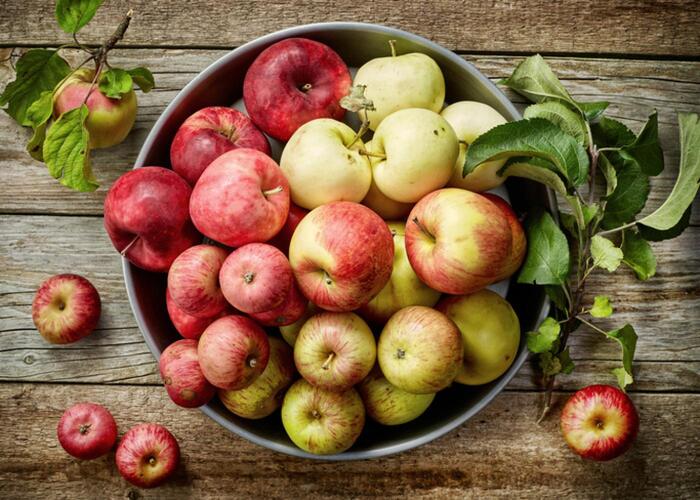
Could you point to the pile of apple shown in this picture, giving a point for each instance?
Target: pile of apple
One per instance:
(344, 238)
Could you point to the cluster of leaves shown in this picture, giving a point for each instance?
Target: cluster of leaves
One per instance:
(564, 144)
(63, 142)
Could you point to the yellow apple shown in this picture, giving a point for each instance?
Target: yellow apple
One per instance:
(387, 208)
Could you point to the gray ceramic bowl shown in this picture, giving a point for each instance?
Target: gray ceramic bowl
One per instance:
(221, 84)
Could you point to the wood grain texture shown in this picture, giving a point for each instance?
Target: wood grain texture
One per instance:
(665, 310)
(499, 453)
(635, 89)
(667, 27)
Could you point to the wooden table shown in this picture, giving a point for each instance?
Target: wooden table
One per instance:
(639, 55)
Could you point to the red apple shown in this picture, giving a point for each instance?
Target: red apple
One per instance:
(66, 308)
(182, 376)
(289, 311)
(293, 82)
(242, 197)
(190, 327)
(146, 216)
(342, 254)
(281, 241)
(109, 121)
(256, 277)
(457, 241)
(193, 281)
(147, 455)
(599, 422)
(233, 351)
(208, 134)
(87, 431)
(519, 250)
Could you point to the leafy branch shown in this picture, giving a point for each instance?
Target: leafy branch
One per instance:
(569, 146)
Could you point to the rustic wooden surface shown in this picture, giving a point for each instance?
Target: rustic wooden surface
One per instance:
(639, 55)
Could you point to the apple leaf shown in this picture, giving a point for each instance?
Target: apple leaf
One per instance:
(627, 338)
(39, 114)
(143, 78)
(544, 338)
(609, 172)
(562, 116)
(672, 212)
(645, 150)
(605, 254)
(537, 138)
(534, 79)
(592, 110)
(530, 170)
(601, 307)
(638, 255)
(557, 296)
(628, 198)
(66, 150)
(547, 261)
(114, 83)
(567, 364)
(651, 234)
(73, 15)
(38, 71)
(609, 133)
(356, 100)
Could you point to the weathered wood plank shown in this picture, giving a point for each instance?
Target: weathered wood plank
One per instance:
(500, 452)
(664, 310)
(570, 26)
(634, 88)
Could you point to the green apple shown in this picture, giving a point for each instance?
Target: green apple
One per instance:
(387, 404)
(387, 208)
(404, 287)
(414, 152)
(470, 119)
(291, 332)
(322, 422)
(264, 395)
(420, 350)
(398, 82)
(490, 334)
(323, 163)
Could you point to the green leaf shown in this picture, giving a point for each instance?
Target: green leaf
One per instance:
(547, 261)
(592, 110)
(645, 149)
(72, 15)
(35, 146)
(569, 222)
(549, 364)
(38, 114)
(627, 338)
(605, 254)
(537, 137)
(672, 211)
(38, 70)
(534, 79)
(590, 212)
(628, 198)
(651, 234)
(67, 152)
(609, 172)
(638, 255)
(530, 170)
(544, 338)
(562, 116)
(609, 133)
(567, 364)
(143, 78)
(623, 378)
(557, 296)
(114, 83)
(601, 307)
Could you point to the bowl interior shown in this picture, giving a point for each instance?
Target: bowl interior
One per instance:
(221, 84)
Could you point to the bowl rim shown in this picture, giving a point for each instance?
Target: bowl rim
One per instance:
(306, 30)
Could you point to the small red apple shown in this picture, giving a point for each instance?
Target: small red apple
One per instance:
(208, 134)
(281, 241)
(147, 455)
(182, 375)
(147, 217)
(233, 351)
(242, 197)
(66, 308)
(517, 254)
(87, 431)
(190, 327)
(109, 121)
(288, 312)
(256, 277)
(599, 422)
(193, 281)
(293, 82)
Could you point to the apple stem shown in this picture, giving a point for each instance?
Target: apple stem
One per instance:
(363, 151)
(392, 44)
(327, 363)
(248, 277)
(422, 227)
(464, 143)
(276, 190)
(252, 362)
(128, 247)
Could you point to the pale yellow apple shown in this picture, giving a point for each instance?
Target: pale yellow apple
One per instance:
(470, 119)
(414, 152)
(291, 332)
(490, 334)
(387, 208)
(404, 287)
(322, 166)
(399, 82)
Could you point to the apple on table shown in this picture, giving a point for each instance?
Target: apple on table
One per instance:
(87, 431)
(147, 455)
